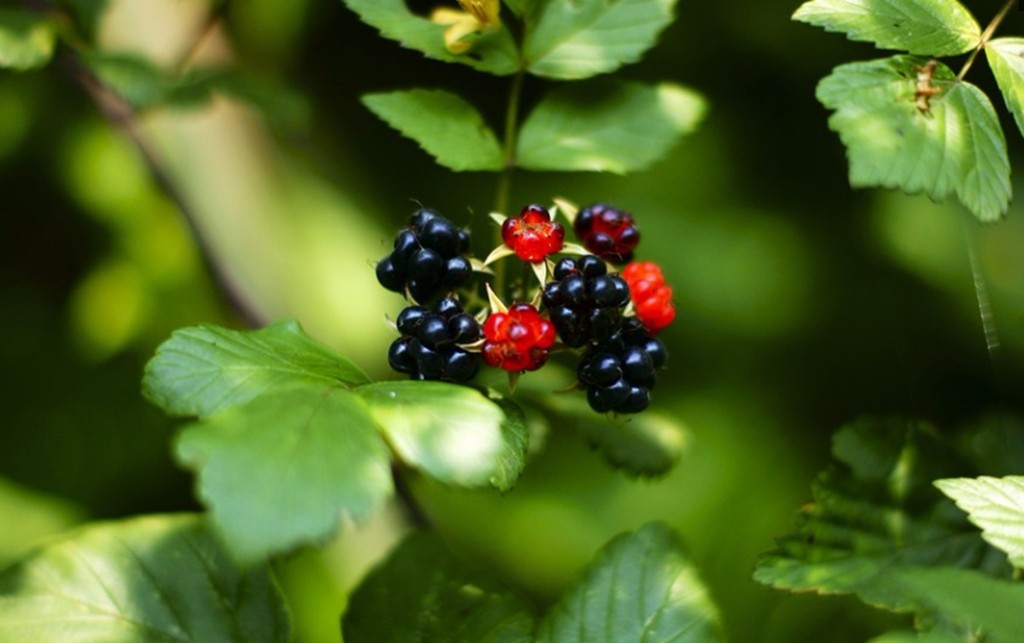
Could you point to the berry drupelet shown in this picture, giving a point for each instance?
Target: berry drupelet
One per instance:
(620, 373)
(433, 342)
(533, 235)
(428, 257)
(652, 298)
(584, 302)
(517, 340)
(607, 232)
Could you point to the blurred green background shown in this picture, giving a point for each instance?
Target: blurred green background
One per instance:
(802, 304)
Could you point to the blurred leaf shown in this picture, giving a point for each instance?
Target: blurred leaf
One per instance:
(1006, 58)
(644, 444)
(922, 27)
(278, 103)
(975, 606)
(26, 40)
(281, 470)
(996, 505)
(641, 587)
(917, 637)
(495, 53)
(160, 578)
(143, 85)
(875, 511)
(422, 593)
(526, 8)
(956, 145)
(204, 369)
(452, 433)
(445, 125)
(572, 40)
(29, 516)
(607, 126)
(88, 14)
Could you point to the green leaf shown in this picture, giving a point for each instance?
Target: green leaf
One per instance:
(996, 505)
(446, 126)
(422, 593)
(495, 52)
(607, 126)
(1006, 58)
(87, 13)
(278, 103)
(452, 433)
(875, 511)
(26, 40)
(645, 444)
(921, 27)
(281, 470)
(641, 587)
(572, 40)
(204, 369)
(143, 85)
(917, 637)
(159, 578)
(976, 606)
(954, 146)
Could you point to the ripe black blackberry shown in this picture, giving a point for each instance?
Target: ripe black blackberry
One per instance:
(432, 345)
(428, 258)
(620, 372)
(584, 302)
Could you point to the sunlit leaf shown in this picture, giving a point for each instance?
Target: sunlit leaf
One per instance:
(954, 145)
(445, 125)
(452, 433)
(607, 126)
(494, 52)
(26, 40)
(917, 637)
(203, 369)
(572, 40)
(1006, 58)
(283, 469)
(996, 505)
(160, 578)
(876, 511)
(423, 593)
(922, 27)
(641, 588)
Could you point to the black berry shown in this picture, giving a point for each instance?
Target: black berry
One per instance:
(585, 304)
(433, 342)
(427, 258)
(619, 373)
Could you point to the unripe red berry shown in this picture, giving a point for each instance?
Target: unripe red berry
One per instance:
(533, 235)
(652, 298)
(517, 340)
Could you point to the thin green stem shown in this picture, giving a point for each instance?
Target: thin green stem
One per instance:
(988, 325)
(986, 36)
(511, 138)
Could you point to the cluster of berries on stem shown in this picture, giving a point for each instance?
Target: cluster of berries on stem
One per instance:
(595, 300)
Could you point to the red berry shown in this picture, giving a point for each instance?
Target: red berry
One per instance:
(652, 298)
(607, 232)
(518, 340)
(533, 235)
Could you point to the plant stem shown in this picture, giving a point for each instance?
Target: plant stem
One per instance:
(985, 37)
(511, 138)
(988, 326)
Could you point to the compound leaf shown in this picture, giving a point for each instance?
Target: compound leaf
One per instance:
(158, 578)
(281, 470)
(452, 433)
(445, 125)
(203, 369)
(996, 505)
(26, 40)
(494, 52)
(641, 587)
(921, 27)
(876, 511)
(607, 126)
(573, 40)
(423, 593)
(949, 143)
(1006, 58)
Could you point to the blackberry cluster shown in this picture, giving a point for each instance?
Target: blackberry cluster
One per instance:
(584, 302)
(432, 345)
(428, 258)
(619, 373)
(608, 232)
